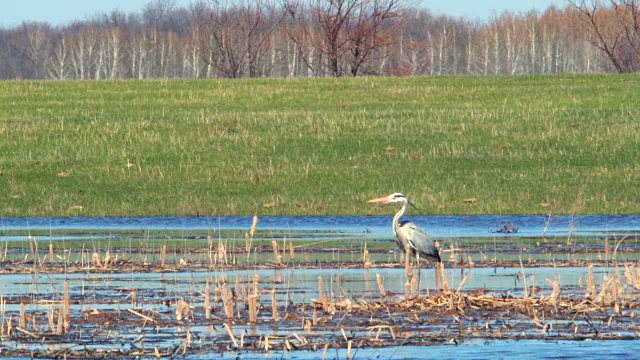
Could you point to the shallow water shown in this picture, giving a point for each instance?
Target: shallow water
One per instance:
(376, 226)
(295, 285)
(111, 294)
(475, 349)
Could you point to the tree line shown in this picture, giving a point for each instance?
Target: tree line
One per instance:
(305, 38)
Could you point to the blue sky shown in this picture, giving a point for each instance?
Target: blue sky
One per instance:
(58, 12)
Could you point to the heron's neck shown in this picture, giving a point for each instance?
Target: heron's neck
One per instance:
(396, 218)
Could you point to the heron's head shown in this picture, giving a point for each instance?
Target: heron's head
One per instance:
(390, 199)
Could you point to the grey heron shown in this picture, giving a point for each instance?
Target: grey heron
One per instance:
(411, 239)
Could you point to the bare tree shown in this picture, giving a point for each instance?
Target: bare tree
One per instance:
(342, 35)
(36, 48)
(236, 36)
(616, 30)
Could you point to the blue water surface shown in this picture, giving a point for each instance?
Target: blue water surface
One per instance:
(436, 225)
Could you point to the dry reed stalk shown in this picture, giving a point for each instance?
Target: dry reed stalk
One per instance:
(107, 259)
(470, 262)
(182, 308)
(606, 283)
(555, 290)
(134, 297)
(178, 311)
(414, 288)
(3, 309)
(591, 284)
(254, 223)
(65, 300)
(284, 248)
(9, 325)
(230, 333)
(314, 317)
(253, 308)
(348, 349)
(292, 255)
(145, 317)
(61, 321)
(95, 259)
(50, 317)
(31, 245)
(277, 258)
(438, 278)
(210, 244)
(383, 293)
(22, 320)
(50, 252)
(407, 290)
(321, 296)
(227, 301)
(207, 300)
(524, 280)
(452, 255)
(222, 253)
(22, 330)
(533, 285)
(365, 257)
(34, 324)
(163, 255)
(324, 353)
(606, 249)
(274, 304)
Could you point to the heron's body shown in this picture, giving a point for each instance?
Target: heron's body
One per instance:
(411, 239)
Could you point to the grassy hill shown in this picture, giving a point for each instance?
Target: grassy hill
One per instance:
(529, 144)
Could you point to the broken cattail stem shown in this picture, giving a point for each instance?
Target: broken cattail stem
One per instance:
(253, 308)
(95, 259)
(383, 293)
(591, 284)
(277, 258)
(230, 333)
(31, 248)
(321, 296)
(210, 242)
(22, 320)
(314, 317)
(227, 301)
(66, 302)
(274, 304)
(163, 255)
(60, 326)
(50, 317)
(365, 256)
(207, 301)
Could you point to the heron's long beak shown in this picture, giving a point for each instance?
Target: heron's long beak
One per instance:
(382, 200)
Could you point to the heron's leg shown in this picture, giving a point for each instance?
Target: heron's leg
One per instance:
(419, 271)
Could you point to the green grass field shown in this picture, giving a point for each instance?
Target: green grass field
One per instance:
(320, 146)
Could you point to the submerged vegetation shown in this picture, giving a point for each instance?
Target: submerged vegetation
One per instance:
(529, 144)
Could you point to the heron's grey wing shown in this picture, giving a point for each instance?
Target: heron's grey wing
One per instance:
(419, 240)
